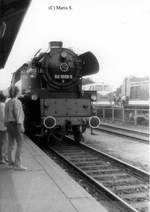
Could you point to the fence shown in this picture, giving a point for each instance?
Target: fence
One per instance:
(127, 115)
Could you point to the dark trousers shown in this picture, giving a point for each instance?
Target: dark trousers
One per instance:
(2, 140)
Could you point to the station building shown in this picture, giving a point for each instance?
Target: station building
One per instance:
(136, 88)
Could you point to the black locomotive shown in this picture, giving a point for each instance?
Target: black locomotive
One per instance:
(54, 102)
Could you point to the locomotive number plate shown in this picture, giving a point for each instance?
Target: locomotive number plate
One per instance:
(63, 76)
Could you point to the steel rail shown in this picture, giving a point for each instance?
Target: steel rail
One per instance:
(137, 171)
(134, 131)
(123, 204)
(125, 132)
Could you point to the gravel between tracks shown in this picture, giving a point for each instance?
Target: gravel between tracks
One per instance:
(126, 149)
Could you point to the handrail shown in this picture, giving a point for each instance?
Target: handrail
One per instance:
(132, 115)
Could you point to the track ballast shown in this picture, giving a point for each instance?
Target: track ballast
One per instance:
(125, 184)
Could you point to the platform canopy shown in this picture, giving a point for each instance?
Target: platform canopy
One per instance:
(11, 17)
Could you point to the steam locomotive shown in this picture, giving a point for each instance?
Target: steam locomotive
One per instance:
(54, 103)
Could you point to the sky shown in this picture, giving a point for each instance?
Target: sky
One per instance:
(116, 31)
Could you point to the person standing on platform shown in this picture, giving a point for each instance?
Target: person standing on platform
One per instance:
(94, 113)
(3, 133)
(14, 119)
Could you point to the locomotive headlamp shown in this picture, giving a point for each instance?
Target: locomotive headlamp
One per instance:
(34, 97)
(64, 55)
(93, 97)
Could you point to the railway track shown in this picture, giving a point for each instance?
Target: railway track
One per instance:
(134, 134)
(126, 185)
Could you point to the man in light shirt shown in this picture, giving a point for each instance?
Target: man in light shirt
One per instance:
(14, 118)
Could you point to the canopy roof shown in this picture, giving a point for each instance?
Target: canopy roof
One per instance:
(11, 16)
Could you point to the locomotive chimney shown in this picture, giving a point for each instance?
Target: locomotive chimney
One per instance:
(55, 44)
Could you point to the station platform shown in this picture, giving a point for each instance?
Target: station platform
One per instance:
(44, 186)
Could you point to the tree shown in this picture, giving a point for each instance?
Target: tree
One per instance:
(118, 90)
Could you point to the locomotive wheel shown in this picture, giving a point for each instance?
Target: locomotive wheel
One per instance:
(78, 137)
(84, 127)
(55, 134)
(31, 130)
